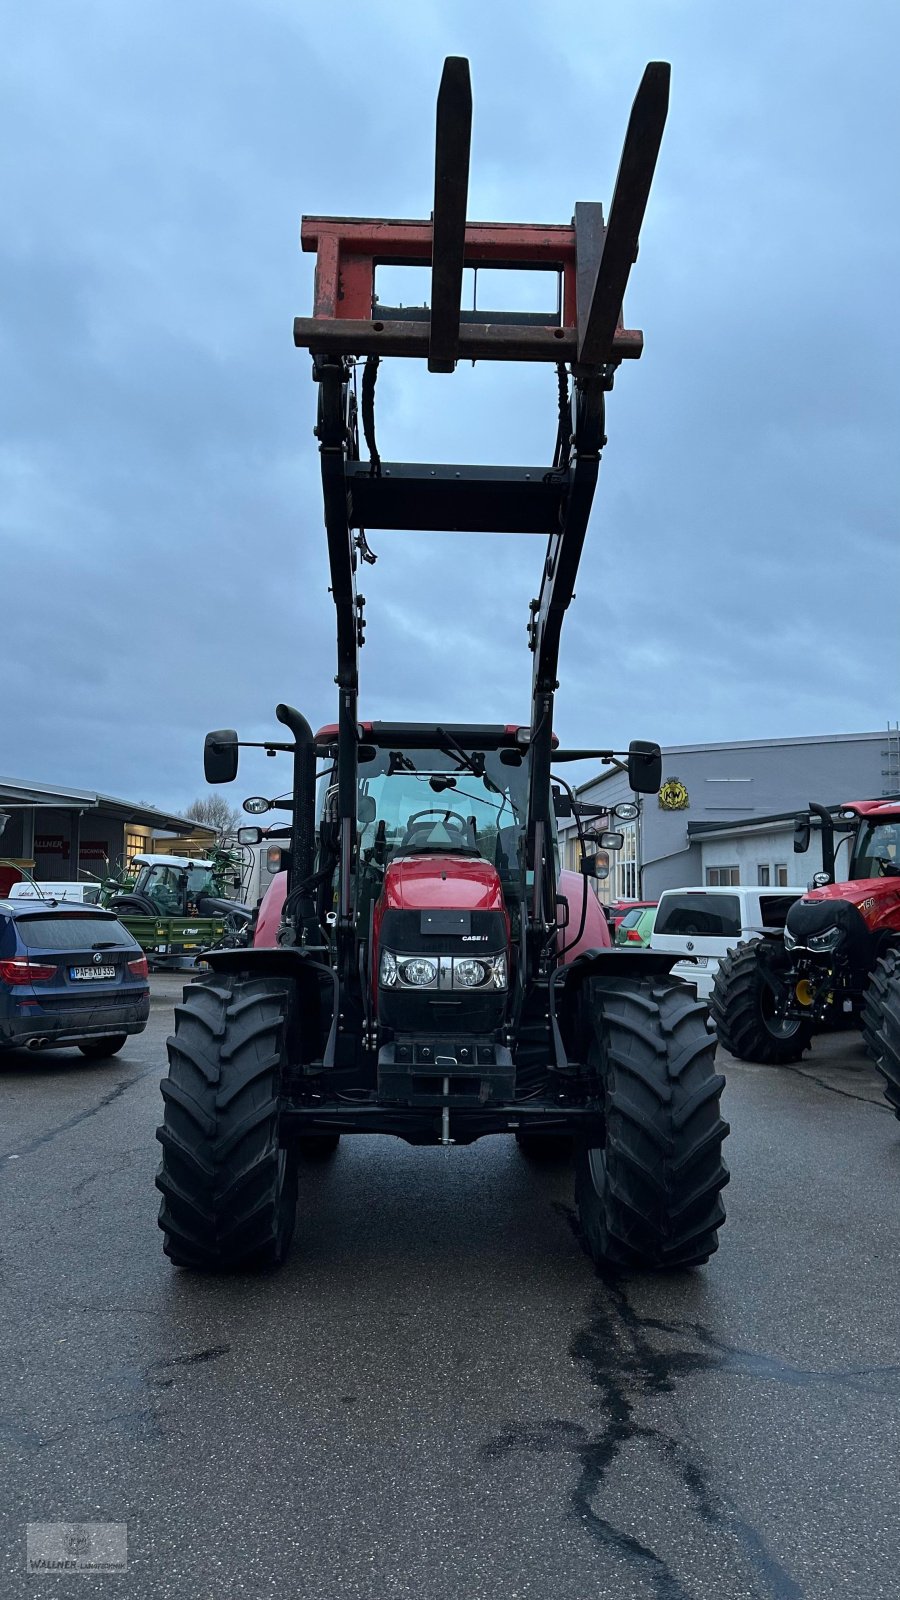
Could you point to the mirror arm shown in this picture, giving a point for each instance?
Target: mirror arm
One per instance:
(260, 744)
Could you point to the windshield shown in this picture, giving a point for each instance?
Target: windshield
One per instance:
(169, 885)
(423, 801)
(878, 843)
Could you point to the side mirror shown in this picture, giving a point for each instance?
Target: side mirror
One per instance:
(249, 835)
(801, 835)
(644, 767)
(220, 756)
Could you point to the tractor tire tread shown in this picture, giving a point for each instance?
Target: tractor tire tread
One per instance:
(229, 1193)
(658, 1204)
(888, 1063)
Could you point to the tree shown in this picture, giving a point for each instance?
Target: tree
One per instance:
(214, 811)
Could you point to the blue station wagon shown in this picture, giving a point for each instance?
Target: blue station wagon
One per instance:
(69, 975)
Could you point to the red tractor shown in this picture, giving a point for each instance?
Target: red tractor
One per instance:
(837, 958)
(424, 969)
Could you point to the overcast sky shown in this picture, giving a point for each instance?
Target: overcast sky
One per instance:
(163, 556)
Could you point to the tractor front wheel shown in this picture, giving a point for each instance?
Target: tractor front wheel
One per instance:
(885, 1044)
(229, 1190)
(649, 1196)
(884, 974)
(742, 1006)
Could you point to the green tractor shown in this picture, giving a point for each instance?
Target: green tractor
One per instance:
(177, 906)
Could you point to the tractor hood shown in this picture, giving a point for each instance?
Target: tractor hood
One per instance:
(856, 892)
(445, 911)
(431, 882)
(875, 900)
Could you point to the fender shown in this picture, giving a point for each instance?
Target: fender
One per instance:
(300, 968)
(570, 980)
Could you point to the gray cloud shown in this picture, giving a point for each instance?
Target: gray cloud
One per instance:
(162, 551)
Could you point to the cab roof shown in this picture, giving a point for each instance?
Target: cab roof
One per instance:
(169, 861)
(886, 809)
(425, 736)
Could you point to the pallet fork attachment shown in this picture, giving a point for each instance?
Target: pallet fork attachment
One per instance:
(585, 338)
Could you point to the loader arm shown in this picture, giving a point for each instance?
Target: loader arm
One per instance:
(584, 337)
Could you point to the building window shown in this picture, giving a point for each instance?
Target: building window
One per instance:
(762, 877)
(135, 845)
(626, 877)
(781, 876)
(722, 877)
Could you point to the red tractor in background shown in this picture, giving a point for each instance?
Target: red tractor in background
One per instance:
(424, 969)
(837, 959)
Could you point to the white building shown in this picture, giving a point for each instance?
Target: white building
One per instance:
(725, 811)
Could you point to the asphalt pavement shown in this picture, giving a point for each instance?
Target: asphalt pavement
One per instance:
(438, 1397)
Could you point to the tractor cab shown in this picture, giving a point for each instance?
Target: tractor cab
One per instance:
(172, 885)
(876, 845)
(460, 799)
(179, 886)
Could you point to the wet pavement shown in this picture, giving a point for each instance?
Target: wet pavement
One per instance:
(437, 1396)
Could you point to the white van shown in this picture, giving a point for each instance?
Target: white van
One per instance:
(704, 924)
(81, 894)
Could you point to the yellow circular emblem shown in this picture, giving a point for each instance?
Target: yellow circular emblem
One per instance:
(673, 795)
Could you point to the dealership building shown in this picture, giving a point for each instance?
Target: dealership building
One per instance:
(61, 834)
(725, 812)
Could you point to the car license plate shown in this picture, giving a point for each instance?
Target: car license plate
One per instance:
(89, 973)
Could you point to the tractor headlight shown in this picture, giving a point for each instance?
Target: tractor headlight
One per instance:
(469, 973)
(441, 972)
(790, 942)
(829, 939)
(419, 972)
(479, 972)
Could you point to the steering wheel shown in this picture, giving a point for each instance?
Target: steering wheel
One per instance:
(454, 824)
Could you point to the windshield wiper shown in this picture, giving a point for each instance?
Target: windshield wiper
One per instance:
(474, 762)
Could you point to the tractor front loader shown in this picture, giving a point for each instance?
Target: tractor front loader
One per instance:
(434, 975)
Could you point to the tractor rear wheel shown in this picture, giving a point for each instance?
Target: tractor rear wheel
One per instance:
(887, 1044)
(742, 1006)
(885, 972)
(649, 1196)
(229, 1191)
